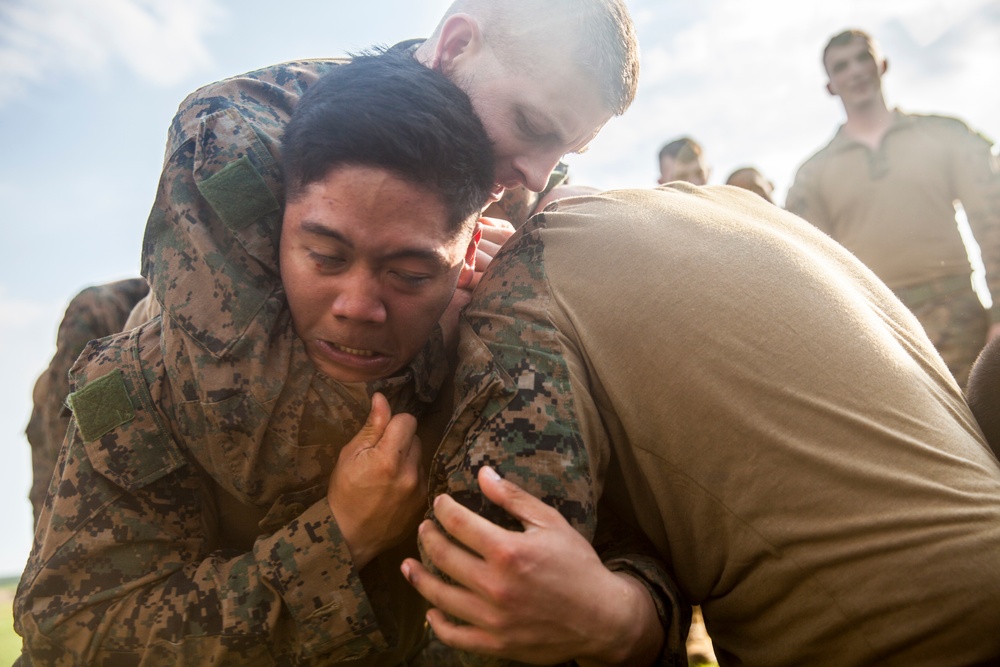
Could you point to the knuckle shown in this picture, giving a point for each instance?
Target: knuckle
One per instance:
(503, 597)
(508, 557)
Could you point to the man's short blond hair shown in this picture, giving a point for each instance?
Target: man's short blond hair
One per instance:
(599, 35)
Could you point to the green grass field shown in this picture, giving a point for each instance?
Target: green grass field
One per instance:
(10, 643)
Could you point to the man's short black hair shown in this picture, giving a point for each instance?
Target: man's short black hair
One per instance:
(384, 109)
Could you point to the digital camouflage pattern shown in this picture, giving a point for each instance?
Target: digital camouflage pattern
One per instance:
(515, 412)
(97, 311)
(757, 402)
(188, 523)
(141, 552)
(218, 204)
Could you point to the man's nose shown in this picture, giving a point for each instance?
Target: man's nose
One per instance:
(534, 170)
(359, 298)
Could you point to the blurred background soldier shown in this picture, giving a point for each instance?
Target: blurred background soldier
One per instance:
(886, 186)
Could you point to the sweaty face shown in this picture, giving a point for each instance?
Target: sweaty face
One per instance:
(855, 71)
(693, 171)
(532, 117)
(368, 265)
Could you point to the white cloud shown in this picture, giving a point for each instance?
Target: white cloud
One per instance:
(160, 41)
(931, 19)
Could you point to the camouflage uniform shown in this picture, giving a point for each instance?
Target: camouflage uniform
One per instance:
(95, 312)
(189, 521)
(893, 207)
(758, 403)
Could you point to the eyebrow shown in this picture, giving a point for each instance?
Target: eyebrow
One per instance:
(319, 229)
(421, 254)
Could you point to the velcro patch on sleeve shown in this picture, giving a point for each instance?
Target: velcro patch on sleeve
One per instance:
(101, 406)
(239, 194)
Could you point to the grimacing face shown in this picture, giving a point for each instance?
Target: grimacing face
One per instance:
(368, 266)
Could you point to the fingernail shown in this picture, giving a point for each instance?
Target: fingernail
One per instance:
(405, 567)
(437, 499)
(491, 473)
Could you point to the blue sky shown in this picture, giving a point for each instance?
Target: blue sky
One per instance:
(88, 87)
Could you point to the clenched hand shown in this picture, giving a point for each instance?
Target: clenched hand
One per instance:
(377, 489)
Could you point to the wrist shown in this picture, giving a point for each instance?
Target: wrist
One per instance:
(631, 633)
(361, 553)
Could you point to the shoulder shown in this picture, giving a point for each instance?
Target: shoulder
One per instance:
(265, 96)
(946, 126)
(118, 421)
(815, 163)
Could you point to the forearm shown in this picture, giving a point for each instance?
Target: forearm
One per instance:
(523, 416)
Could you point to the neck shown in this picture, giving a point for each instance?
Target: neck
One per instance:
(868, 116)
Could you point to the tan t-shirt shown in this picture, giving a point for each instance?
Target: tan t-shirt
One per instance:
(771, 416)
(893, 207)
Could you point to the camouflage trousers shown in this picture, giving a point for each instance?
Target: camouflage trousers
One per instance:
(954, 319)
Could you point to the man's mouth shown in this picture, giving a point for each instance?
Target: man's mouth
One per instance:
(352, 350)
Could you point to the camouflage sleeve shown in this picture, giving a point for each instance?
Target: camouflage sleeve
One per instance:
(95, 312)
(977, 183)
(516, 411)
(216, 218)
(127, 565)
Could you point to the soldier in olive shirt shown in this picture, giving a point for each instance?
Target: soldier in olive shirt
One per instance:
(885, 188)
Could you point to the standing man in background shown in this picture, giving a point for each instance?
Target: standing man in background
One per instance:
(885, 187)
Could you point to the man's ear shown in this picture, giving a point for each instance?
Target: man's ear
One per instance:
(469, 262)
(885, 66)
(460, 35)
(829, 89)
